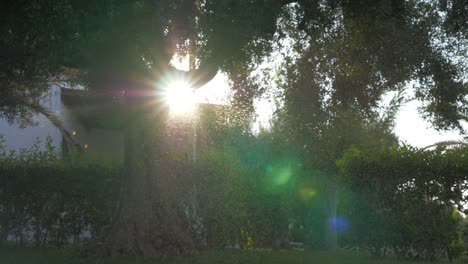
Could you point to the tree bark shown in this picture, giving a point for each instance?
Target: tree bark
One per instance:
(331, 238)
(3, 236)
(150, 219)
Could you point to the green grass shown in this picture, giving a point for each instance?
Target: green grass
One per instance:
(14, 255)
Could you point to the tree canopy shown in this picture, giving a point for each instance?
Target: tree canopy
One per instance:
(359, 48)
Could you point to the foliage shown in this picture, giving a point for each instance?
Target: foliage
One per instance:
(50, 199)
(242, 199)
(404, 199)
(359, 49)
(342, 58)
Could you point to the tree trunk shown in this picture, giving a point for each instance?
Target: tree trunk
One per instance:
(331, 238)
(321, 220)
(3, 235)
(150, 220)
(37, 231)
(280, 227)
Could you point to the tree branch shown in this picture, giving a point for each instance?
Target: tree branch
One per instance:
(207, 69)
(51, 116)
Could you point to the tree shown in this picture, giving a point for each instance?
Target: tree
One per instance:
(346, 56)
(128, 45)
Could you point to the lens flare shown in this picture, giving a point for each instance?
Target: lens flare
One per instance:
(269, 168)
(306, 193)
(179, 97)
(339, 224)
(282, 175)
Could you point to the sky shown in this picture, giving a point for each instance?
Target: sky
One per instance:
(411, 128)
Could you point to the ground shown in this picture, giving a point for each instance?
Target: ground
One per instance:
(12, 255)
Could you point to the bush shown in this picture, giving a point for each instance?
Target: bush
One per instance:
(53, 199)
(240, 200)
(405, 199)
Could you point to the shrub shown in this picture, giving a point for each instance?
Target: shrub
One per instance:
(405, 199)
(50, 198)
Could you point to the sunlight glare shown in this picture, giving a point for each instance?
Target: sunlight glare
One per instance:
(180, 97)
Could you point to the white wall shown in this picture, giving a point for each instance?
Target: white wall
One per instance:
(100, 142)
(17, 137)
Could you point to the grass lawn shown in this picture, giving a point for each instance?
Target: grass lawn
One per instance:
(13, 255)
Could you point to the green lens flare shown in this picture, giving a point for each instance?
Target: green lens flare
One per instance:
(282, 175)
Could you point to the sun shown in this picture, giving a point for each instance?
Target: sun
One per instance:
(180, 97)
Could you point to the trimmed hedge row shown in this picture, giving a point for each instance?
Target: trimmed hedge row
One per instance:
(405, 200)
(45, 199)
